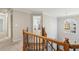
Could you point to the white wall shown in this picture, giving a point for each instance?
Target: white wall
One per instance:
(50, 24)
(21, 21)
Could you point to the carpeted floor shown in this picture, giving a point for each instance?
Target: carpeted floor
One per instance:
(11, 46)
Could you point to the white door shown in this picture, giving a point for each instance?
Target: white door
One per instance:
(37, 25)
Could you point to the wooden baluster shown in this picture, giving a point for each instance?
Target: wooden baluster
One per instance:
(45, 35)
(43, 45)
(42, 38)
(23, 41)
(57, 47)
(39, 44)
(27, 40)
(51, 47)
(34, 43)
(74, 49)
(47, 44)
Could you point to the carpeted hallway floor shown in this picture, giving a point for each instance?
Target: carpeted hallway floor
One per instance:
(11, 46)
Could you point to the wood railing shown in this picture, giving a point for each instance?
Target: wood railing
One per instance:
(42, 43)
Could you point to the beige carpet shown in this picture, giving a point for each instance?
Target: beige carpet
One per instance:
(11, 46)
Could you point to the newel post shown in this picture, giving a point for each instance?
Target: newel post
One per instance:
(44, 40)
(44, 32)
(66, 44)
(25, 40)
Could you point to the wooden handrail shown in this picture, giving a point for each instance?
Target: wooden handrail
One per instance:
(74, 46)
(65, 43)
(49, 39)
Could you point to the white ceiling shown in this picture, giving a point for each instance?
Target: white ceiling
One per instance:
(55, 12)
